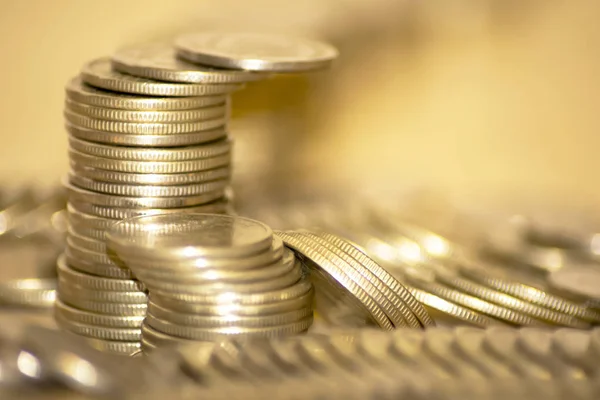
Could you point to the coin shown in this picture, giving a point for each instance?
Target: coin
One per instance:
(578, 282)
(150, 167)
(159, 61)
(207, 150)
(142, 128)
(83, 93)
(92, 282)
(184, 139)
(84, 317)
(99, 332)
(99, 73)
(180, 117)
(189, 235)
(255, 52)
(110, 346)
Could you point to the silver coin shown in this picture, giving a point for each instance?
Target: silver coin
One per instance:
(89, 221)
(189, 235)
(194, 189)
(142, 128)
(130, 178)
(80, 92)
(184, 139)
(159, 61)
(255, 52)
(89, 267)
(84, 317)
(100, 199)
(100, 332)
(99, 73)
(216, 207)
(151, 117)
(207, 150)
(150, 167)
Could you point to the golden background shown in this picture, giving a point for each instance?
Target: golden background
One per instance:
(482, 100)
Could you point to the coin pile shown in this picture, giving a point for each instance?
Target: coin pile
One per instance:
(212, 275)
(352, 289)
(148, 135)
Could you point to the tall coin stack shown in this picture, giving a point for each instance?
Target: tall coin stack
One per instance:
(212, 276)
(136, 146)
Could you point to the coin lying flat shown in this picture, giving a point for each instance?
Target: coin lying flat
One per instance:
(89, 318)
(83, 93)
(29, 293)
(159, 61)
(255, 52)
(152, 117)
(207, 150)
(190, 235)
(99, 73)
(183, 139)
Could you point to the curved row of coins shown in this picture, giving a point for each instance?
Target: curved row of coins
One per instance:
(459, 363)
(211, 276)
(460, 283)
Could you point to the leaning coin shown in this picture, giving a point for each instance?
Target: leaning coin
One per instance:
(129, 178)
(194, 189)
(99, 332)
(83, 93)
(394, 308)
(84, 317)
(28, 293)
(95, 282)
(82, 242)
(159, 61)
(339, 282)
(189, 235)
(99, 73)
(100, 199)
(255, 52)
(150, 167)
(107, 296)
(403, 293)
(142, 128)
(89, 221)
(183, 139)
(104, 307)
(103, 270)
(206, 150)
(112, 114)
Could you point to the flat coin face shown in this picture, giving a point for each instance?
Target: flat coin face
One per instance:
(159, 61)
(190, 235)
(255, 52)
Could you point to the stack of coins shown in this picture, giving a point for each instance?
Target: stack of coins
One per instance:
(148, 135)
(351, 288)
(210, 276)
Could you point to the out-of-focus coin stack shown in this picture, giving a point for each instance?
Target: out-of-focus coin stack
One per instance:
(148, 135)
(458, 282)
(352, 290)
(211, 276)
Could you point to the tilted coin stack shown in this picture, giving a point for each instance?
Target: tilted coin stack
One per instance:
(136, 146)
(352, 290)
(212, 276)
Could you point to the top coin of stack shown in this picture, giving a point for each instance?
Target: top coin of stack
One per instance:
(212, 275)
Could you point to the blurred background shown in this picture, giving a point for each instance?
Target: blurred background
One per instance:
(488, 101)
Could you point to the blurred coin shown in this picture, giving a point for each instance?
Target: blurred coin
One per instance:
(255, 52)
(111, 346)
(107, 308)
(106, 296)
(81, 92)
(99, 332)
(151, 117)
(189, 235)
(581, 283)
(99, 73)
(159, 61)
(28, 293)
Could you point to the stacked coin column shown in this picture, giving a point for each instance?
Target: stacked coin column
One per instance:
(212, 276)
(136, 147)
